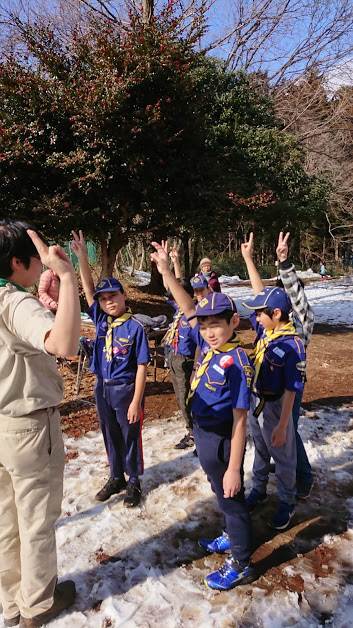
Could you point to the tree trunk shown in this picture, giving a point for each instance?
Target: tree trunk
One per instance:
(185, 242)
(147, 11)
(156, 284)
(109, 250)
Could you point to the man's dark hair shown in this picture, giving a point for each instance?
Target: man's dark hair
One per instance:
(227, 315)
(15, 242)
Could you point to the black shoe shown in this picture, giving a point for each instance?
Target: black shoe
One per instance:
(186, 441)
(133, 495)
(112, 487)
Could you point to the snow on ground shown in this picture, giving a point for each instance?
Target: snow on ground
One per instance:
(153, 570)
(332, 300)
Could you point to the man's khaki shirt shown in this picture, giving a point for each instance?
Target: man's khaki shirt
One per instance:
(29, 379)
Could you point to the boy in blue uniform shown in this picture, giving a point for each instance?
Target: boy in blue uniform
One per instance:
(119, 361)
(220, 398)
(200, 286)
(279, 375)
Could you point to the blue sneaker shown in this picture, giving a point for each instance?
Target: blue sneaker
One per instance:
(283, 516)
(220, 544)
(230, 575)
(255, 498)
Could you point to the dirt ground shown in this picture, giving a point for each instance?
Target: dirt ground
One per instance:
(330, 372)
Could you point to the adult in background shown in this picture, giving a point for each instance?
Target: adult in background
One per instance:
(31, 443)
(48, 290)
(211, 275)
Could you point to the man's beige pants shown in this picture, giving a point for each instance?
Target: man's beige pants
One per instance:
(31, 484)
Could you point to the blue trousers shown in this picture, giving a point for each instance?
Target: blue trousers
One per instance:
(285, 457)
(304, 472)
(213, 451)
(123, 441)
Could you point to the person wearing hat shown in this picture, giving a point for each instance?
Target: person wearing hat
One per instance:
(119, 361)
(219, 401)
(303, 319)
(280, 364)
(200, 286)
(209, 274)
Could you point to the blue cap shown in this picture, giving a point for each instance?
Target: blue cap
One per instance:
(108, 284)
(214, 303)
(272, 298)
(199, 282)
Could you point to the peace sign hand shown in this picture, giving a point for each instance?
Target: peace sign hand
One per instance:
(53, 257)
(247, 247)
(160, 257)
(282, 247)
(78, 244)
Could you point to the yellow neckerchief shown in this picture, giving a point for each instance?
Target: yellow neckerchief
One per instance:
(169, 337)
(112, 323)
(286, 330)
(202, 368)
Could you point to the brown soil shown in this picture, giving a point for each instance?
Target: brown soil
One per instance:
(330, 372)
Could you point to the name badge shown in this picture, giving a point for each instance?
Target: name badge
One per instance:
(278, 352)
(218, 369)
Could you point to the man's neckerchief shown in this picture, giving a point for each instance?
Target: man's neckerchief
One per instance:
(5, 282)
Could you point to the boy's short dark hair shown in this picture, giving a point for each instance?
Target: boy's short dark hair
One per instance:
(227, 315)
(15, 242)
(269, 311)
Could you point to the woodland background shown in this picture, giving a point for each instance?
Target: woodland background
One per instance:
(197, 120)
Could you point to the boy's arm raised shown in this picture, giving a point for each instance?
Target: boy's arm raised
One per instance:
(62, 339)
(181, 297)
(247, 249)
(78, 246)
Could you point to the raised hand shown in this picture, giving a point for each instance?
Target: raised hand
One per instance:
(174, 254)
(53, 257)
(282, 247)
(160, 257)
(247, 247)
(78, 244)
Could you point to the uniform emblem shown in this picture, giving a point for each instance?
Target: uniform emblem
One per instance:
(203, 302)
(226, 361)
(211, 388)
(278, 352)
(218, 369)
(101, 284)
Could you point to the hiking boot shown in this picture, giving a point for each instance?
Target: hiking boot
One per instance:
(14, 621)
(133, 494)
(283, 516)
(255, 499)
(112, 487)
(186, 441)
(64, 596)
(230, 575)
(220, 544)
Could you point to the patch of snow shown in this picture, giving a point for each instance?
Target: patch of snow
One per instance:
(154, 569)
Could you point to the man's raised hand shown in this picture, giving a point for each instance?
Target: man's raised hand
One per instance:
(53, 257)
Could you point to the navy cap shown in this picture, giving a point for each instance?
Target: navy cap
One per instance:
(272, 298)
(108, 284)
(199, 282)
(214, 303)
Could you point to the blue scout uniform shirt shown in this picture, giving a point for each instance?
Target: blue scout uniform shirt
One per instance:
(185, 344)
(226, 385)
(129, 347)
(284, 364)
